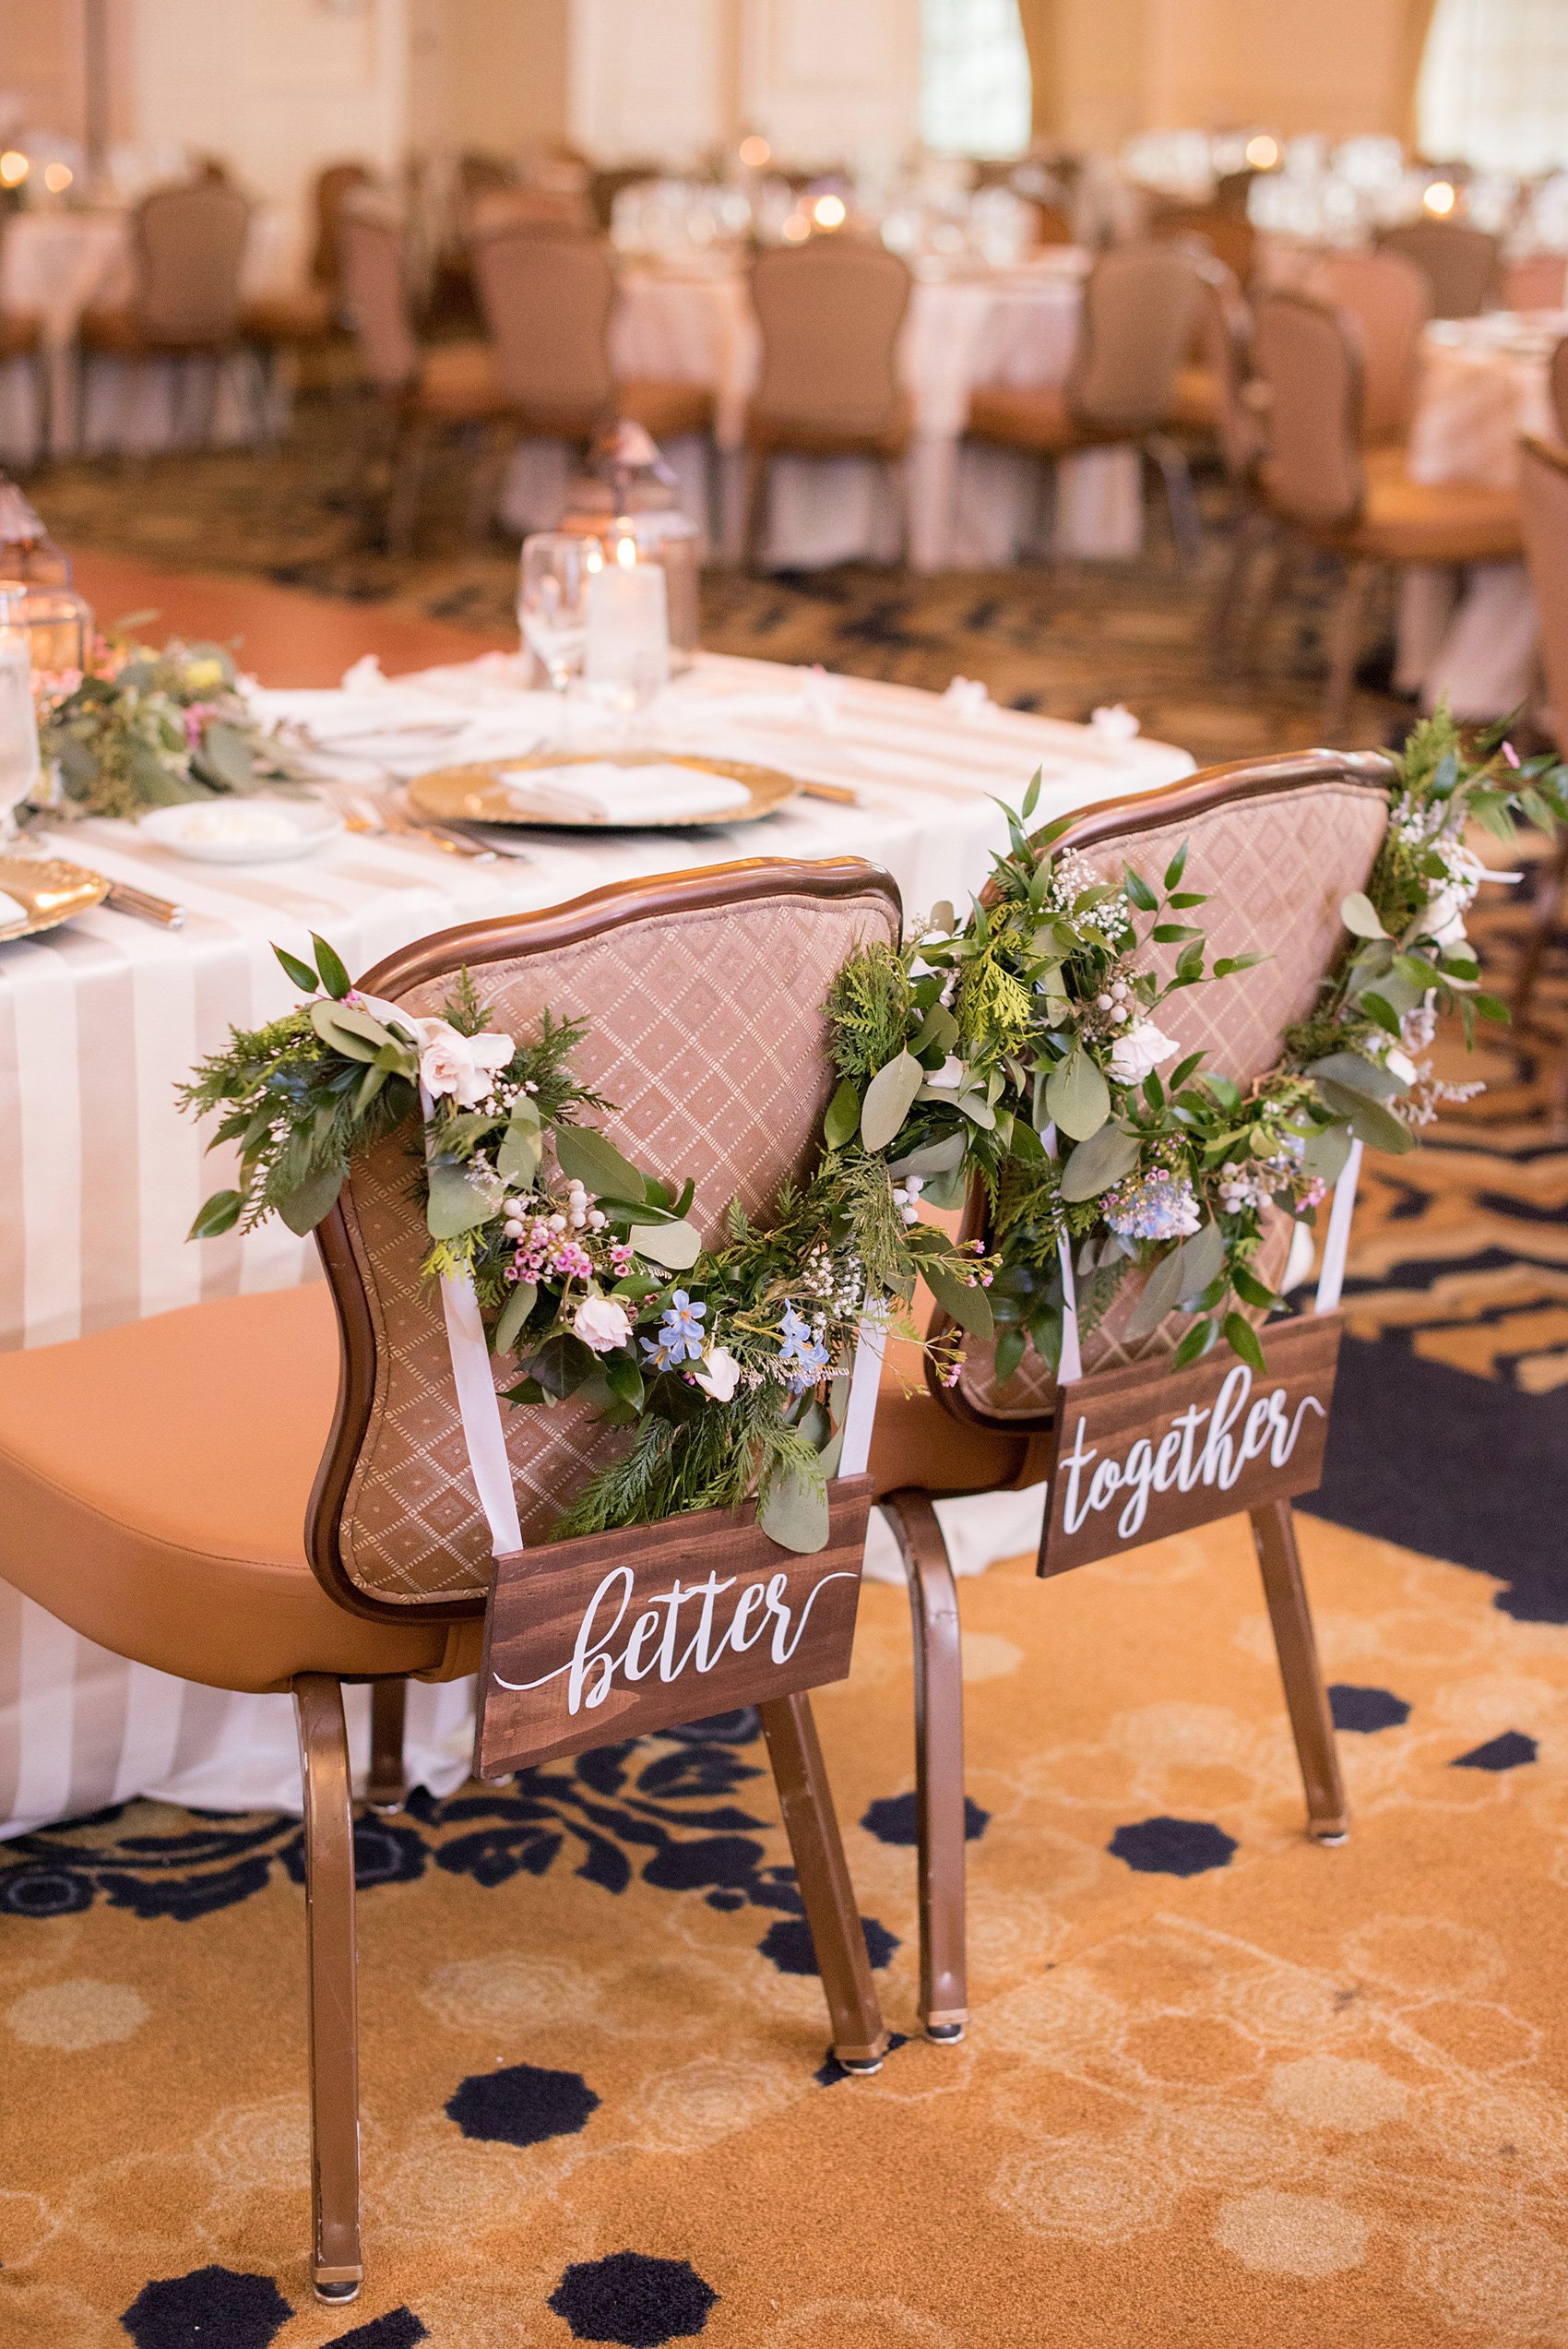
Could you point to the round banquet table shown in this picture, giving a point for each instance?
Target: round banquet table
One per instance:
(969, 506)
(100, 1177)
(1472, 635)
(59, 264)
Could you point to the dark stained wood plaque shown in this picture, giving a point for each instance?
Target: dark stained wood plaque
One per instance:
(609, 1636)
(1142, 1452)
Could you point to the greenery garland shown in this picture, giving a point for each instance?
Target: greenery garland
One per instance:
(1020, 1048)
(729, 1365)
(138, 729)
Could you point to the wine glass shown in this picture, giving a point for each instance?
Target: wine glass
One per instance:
(552, 603)
(20, 766)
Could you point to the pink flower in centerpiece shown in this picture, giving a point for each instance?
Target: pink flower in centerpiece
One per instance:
(602, 1324)
(197, 715)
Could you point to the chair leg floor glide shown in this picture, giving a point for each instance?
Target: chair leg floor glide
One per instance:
(939, 1761)
(859, 2037)
(336, 2270)
(1306, 1698)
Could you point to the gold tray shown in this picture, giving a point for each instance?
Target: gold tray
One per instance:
(51, 889)
(485, 793)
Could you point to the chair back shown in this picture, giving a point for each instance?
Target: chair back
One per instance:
(1225, 344)
(334, 186)
(1140, 307)
(547, 296)
(190, 241)
(374, 260)
(1278, 843)
(1543, 519)
(1309, 358)
(1557, 384)
(1225, 231)
(1536, 281)
(1390, 300)
(704, 991)
(1463, 265)
(830, 312)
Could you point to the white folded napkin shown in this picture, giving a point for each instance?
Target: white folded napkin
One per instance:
(598, 792)
(11, 912)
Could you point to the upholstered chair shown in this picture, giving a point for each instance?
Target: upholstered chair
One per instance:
(21, 337)
(1279, 842)
(188, 243)
(1543, 500)
(415, 390)
(1390, 300)
(1141, 305)
(830, 313)
(273, 1492)
(1318, 486)
(1212, 393)
(309, 317)
(1557, 383)
(1463, 265)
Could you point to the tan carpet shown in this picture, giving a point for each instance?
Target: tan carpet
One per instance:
(1305, 2096)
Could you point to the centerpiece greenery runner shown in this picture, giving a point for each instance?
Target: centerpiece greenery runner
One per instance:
(1020, 1049)
(138, 729)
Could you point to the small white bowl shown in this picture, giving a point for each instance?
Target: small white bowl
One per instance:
(243, 831)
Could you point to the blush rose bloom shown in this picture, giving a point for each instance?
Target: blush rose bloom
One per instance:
(464, 1067)
(1142, 1049)
(602, 1324)
(717, 1373)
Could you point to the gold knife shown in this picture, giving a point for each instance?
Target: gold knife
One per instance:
(123, 899)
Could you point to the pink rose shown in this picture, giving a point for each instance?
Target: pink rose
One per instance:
(602, 1324)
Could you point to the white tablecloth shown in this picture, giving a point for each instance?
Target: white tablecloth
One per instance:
(1471, 636)
(59, 264)
(969, 506)
(100, 1177)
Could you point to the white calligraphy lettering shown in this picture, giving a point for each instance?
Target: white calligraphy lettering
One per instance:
(1219, 1465)
(1074, 1464)
(1137, 1475)
(1189, 1421)
(1165, 1460)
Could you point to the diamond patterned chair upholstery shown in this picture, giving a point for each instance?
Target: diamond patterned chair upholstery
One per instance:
(1277, 845)
(168, 1526)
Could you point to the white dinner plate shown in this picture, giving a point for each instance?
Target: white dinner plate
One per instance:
(230, 831)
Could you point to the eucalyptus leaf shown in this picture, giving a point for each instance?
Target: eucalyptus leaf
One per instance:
(522, 1145)
(972, 1106)
(890, 1096)
(585, 1157)
(457, 1203)
(1353, 1070)
(513, 1313)
(946, 1190)
(1161, 1293)
(843, 1116)
(1327, 1152)
(931, 1158)
(792, 1510)
(1099, 1161)
(1076, 1096)
(225, 751)
(312, 1199)
(1361, 917)
(324, 1019)
(971, 1308)
(939, 1026)
(1368, 1120)
(1203, 1257)
(1011, 1347)
(218, 1214)
(675, 1246)
(943, 921)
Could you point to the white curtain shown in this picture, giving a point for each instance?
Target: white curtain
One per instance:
(974, 77)
(1494, 90)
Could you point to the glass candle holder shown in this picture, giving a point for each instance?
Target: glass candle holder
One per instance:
(21, 767)
(628, 631)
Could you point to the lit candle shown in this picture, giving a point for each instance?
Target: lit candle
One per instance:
(628, 631)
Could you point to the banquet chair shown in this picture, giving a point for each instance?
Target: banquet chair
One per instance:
(188, 243)
(547, 294)
(415, 390)
(155, 1478)
(1536, 281)
(1141, 302)
(1212, 394)
(1557, 388)
(1280, 841)
(1390, 299)
(1463, 265)
(1320, 488)
(830, 313)
(309, 317)
(1543, 503)
(21, 337)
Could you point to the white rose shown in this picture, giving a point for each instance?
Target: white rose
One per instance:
(464, 1067)
(717, 1373)
(1443, 921)
(1139, 1050)
(1399, 1063)
(602, 1324)
(1115, 724)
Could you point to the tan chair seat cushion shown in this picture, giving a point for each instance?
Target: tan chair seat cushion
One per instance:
(458, 382)
(305, 316)
(123, 333)
(153, 1483)
(1011, 417)
(917, 1442)
(20, 332)
(666, 410)
(1407, 521)
(1194, 398)
(772, 435)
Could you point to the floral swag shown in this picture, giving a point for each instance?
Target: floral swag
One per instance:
(1020, 1049)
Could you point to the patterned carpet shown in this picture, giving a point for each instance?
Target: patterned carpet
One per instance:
(1220, 2086)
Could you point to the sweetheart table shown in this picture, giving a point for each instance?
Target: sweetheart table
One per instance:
(100, 1177)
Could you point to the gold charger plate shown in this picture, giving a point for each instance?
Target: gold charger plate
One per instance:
(489, 793)
(51, 889)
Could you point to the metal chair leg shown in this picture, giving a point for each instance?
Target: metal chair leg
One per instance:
(1546, 917)
(336, 2267)
(1252, 529)
(1345, 642)
(1274, 1536)
(388, 1782)
(758, 470)
(859, 2037)
(408, 473)
(1186, 523)
(939, 1761)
